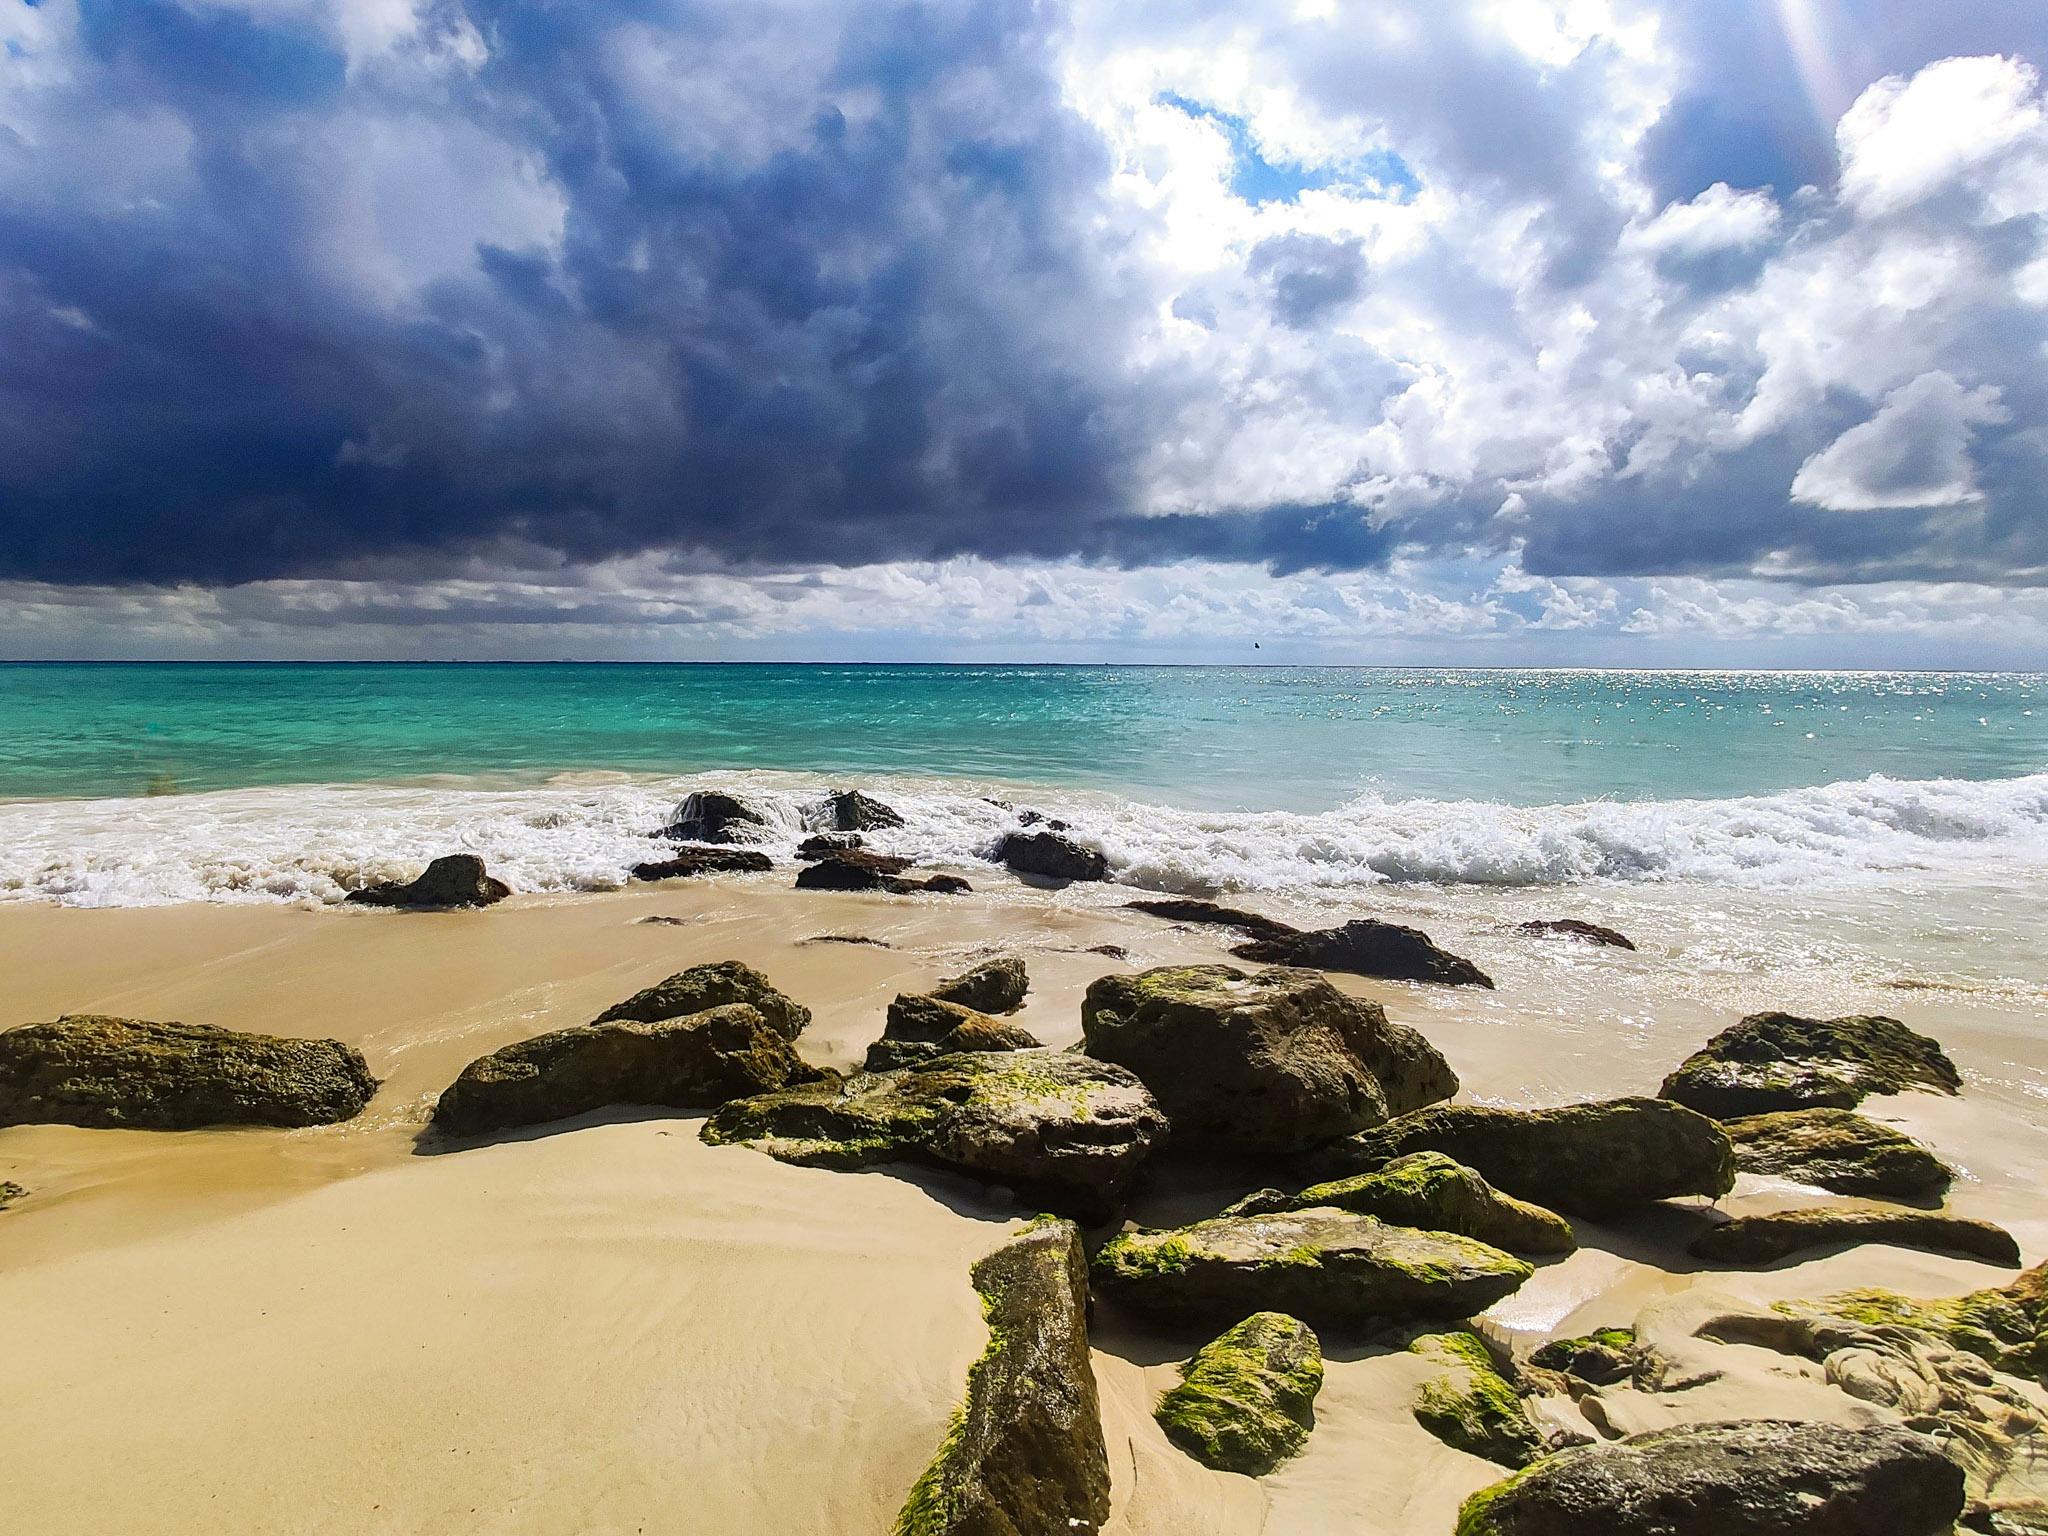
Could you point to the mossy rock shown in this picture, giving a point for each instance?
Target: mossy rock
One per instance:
(1058, 1128)
(1602, 1357)
(1470, 1406)
(1024, 1453)
(2005, 1326)
(993, 986)
(1766, 1238)
(1430, 1190)
(1595, 1159)
(921, 1028)
(1775, 1061)
(1329, 1267)
(1246, 1401)
(712, 985)
(1838, 1150)
(1758, 1477)
(94, 1070)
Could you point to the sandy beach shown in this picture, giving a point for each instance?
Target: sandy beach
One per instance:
(607, 1326)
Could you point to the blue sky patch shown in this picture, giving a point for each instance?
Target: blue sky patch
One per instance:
(1255, 179)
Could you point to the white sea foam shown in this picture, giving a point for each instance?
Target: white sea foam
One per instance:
(310, 844)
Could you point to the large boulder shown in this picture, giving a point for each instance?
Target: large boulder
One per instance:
(1594, 1159)
(1430, 1190)
(1051, 856)
(711, 816)
(704, 861)
(1181, 909)
(1053, 1126)
(1756, 1477)
(692, 1063)
(921, 1029)
(1772, 1061)
(712, 985)
(455, 880)
(1466, 1402)
(1367, 947)
(1766, 1238)
(1280, 1060)
(1839, 1150)
(1328, 1267)
(1025, 1455)
(848, 810)
(93, 1070)
(993, 986)
(1245, 1402)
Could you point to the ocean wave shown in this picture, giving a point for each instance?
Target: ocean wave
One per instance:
(311, 844)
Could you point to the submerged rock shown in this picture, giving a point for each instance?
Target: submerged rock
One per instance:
(1758, 1477)
(1432, 1191)
(1602, 1357)
(695, 1062)
(1246, 1401)
(1368, 947)
(851, 811)
(1470, 1406)
(1051, 856)
(712, 985)
(921, 1028)
(1054, 1126)
(1577, 928)
(709, 816)
(94, 1070)
(1838, 1150)
(1327, 1266)
(1773, 1061)
(704, 861)
(1279, 1061)
(1593, 1159)
(993, 986)
(1767, 1238)
(1024, 1454)
(1182, 910)
(454, 880)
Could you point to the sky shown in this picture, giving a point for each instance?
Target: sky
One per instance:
(1545, 332)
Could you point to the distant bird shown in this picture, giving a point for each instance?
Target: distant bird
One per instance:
(1255, 645)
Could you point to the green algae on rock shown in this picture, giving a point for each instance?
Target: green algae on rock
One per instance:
(1759, 1477)
(2005, 1326)
(1602, 1357)
(696, 1062)
(1024, 1454)
(1470, 1406)
(712, 985)
(1246, 1401)
(1595, 1159)
(993, 986)
(1437, 1193)
(1837, 1150)
(94, 1070)
(920, 1028)
(1329, 1267)
(1764, 1238)
(1774, 1061)
(1057, 1127)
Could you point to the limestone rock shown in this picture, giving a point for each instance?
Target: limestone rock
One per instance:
(1839, 1150)
(1437, 1193)
(1773, 1061)
(993, 986)
(1470, 1406)
(93, 1070)
(922, 1028)
(1367, 947)
(1764, 1239)
(1051, 856)
(455, 880)
(704, 861)
(712, 985)
(1245, 1401)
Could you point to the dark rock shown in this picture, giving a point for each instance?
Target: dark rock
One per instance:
(709, 816)
(663, 920)
(1057, 1127)
(1181, 910)
(1430, 1190)
(1367, 947)
(1601, 1358)
(1773, 1061)
(1051, 856)
(1751, 1478)
(1246, 1401)
(708, 986)
(938, 885)
(1025, 1455)
(1839, 1150)
(1329, 1267)
(993, 986)
(1575, 928)
(921, 1028)
(1031, 818)
(704, 861)
(1766, 1238)
(92, 1070)
(1594, 1159)
(846, 938)
(454, 880)
(10, 1192)
(1278, 1061)
(1469, 1405)
(851, 811)
(692, 1063)
(822, 845)
(851, 869)
(1113, 951)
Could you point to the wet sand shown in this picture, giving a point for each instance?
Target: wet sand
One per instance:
(610, 1327)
